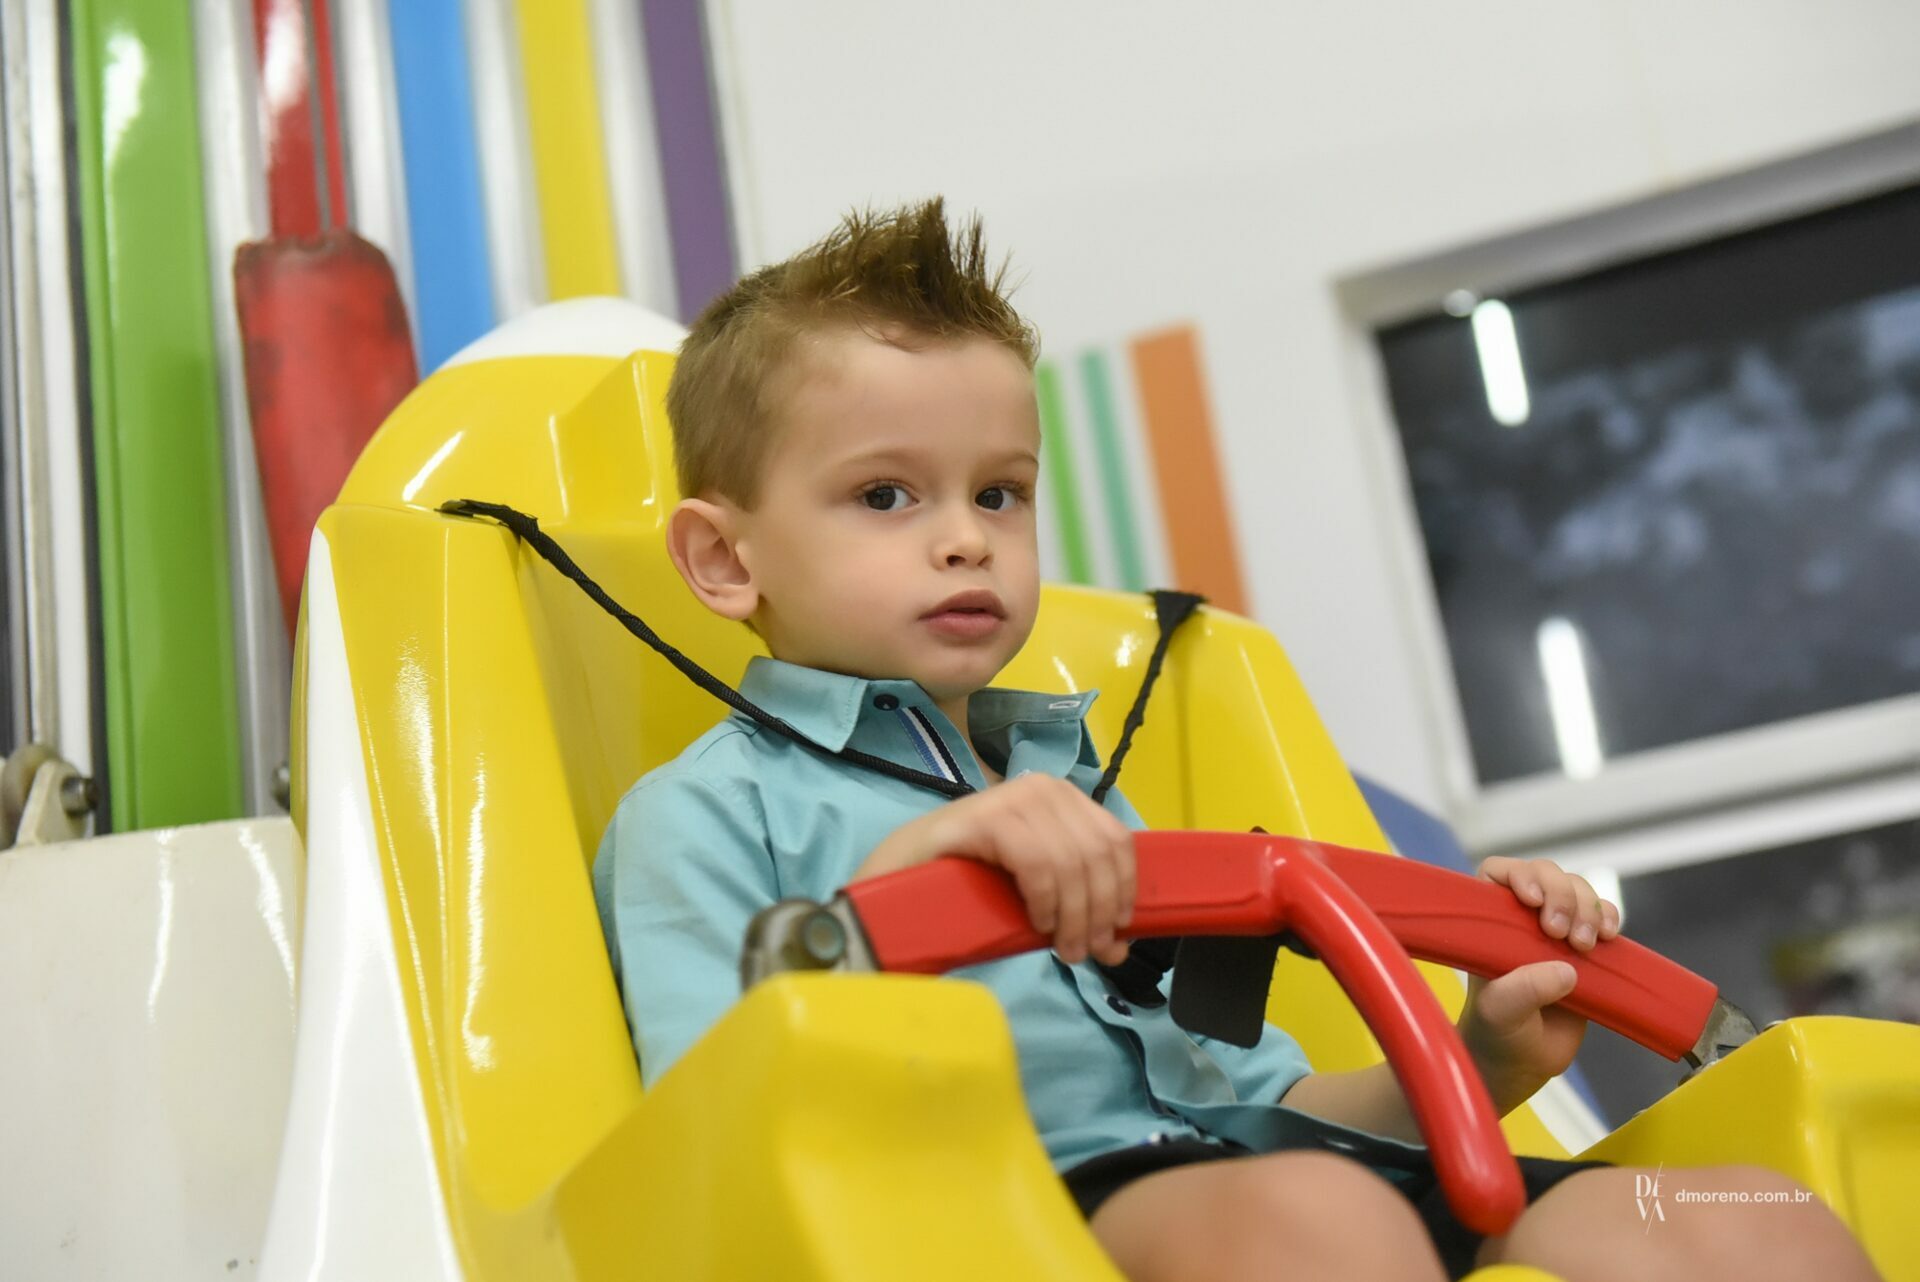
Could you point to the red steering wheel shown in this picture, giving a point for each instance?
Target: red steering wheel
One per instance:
(1365, 914)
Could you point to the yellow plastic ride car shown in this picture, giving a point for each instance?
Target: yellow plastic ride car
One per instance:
(466, 1103)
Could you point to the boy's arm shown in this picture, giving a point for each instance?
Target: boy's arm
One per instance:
(1370, 1099)
(1516, 1009)
(682, 869)
(1367, 1099)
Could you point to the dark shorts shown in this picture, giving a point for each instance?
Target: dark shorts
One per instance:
(1097, 1179)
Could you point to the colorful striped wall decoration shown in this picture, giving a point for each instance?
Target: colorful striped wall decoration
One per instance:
(1057, 460)
(446, 215)
(500, 152)
(166, 613)
(306, 173)
(370, 118)
(1122, 513)
(631, 136)
(1133, 493)
(563, 115)
(506, 158)
(698, 205)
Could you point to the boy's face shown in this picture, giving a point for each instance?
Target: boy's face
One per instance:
(899, 479)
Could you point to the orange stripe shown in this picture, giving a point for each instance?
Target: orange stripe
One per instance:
(1193, 502)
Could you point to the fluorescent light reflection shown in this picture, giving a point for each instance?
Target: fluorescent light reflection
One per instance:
(1569, 698)
(1500, 370)
(122, 82)
(439, 456)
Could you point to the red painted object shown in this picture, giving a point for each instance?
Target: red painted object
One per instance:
(328, 355)
(306, 176)
(1482, 928)
(326, 87)
(1363, 913)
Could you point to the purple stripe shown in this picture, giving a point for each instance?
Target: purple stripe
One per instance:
(698, 216)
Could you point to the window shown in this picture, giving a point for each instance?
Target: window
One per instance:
(1675, 498)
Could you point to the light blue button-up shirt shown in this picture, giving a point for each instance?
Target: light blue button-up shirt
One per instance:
(745, 817)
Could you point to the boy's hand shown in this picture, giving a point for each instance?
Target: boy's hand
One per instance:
(1511, 1025)
(1072, 859)
(1569, 908)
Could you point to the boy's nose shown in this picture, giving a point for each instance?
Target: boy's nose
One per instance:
(963, 540)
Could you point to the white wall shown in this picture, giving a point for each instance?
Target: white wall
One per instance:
(1225, 164)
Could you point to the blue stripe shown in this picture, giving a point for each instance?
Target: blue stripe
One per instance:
(939, 744)
(446, 213)
(919, 743)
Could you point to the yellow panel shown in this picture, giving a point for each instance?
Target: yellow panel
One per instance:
(1831, 1102)
(797, 1141)
(512, 994)
(569, 160)
(485, 430)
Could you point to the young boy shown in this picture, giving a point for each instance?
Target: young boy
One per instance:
(857, 438)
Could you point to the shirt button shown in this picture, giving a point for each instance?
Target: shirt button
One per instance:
(1118, 1005)
(885, 702)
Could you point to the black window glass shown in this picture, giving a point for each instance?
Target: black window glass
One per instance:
(1705, 513)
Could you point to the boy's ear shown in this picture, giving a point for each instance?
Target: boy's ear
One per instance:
(700, 539)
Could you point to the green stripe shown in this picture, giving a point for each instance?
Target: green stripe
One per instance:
(1056, 456)
(172, 720)
(1098, 380)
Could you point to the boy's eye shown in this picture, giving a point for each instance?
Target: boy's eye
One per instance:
(997, 497)
(881, 497)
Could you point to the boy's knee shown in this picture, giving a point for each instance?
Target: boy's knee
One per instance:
(1304, 1183)
(1332, 1199)
(1307, 1215)
(1780, 1225)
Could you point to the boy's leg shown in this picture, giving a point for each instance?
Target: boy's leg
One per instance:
(1302, 1215)
(1615, 1223)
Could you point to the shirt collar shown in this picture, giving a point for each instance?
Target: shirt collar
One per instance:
(827, 707)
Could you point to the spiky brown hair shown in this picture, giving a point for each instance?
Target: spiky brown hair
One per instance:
(900, 270)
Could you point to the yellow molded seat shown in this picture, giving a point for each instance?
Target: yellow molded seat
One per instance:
(829, 1127)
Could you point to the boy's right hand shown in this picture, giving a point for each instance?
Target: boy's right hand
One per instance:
(1072, 859)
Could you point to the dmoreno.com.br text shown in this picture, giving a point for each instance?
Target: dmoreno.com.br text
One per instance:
(1742, 1195)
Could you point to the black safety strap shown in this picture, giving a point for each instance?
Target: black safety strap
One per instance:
(528, 529)
(1171, 609)
(1138, 977)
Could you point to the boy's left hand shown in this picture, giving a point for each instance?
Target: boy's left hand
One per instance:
(1511, 1025)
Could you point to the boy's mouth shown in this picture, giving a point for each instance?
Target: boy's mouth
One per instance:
(978, 601)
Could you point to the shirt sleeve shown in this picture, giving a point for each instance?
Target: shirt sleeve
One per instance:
(1260, 1073)
(682, 868)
